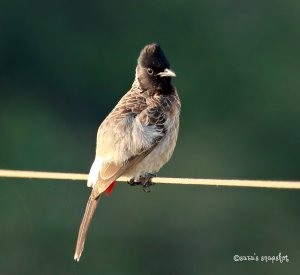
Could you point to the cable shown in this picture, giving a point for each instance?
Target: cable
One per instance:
(212, 182)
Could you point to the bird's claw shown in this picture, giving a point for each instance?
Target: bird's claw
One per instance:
(131, 182)
(145, 181)
(146, 186)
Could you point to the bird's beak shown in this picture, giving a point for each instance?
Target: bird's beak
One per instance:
(167, 72)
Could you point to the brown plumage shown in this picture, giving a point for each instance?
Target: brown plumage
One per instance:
(139, 135)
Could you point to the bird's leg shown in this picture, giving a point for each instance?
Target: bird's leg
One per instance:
(145, 181)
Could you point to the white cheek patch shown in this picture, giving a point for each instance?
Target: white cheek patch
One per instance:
(94, 172)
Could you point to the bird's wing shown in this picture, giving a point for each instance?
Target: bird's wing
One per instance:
(152, 130)
(111, 171)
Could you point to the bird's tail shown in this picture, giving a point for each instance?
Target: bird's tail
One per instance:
(85, 224)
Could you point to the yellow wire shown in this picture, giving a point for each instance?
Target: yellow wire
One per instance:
(213, 182)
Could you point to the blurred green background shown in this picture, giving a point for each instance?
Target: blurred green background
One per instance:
(65, 64)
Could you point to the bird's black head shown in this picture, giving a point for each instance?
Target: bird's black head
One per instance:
(153, 70)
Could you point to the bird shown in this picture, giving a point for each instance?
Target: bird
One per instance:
(138, 136)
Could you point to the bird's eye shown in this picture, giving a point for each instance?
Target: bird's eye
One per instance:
(150, 71)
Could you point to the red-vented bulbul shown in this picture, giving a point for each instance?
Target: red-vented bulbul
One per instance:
(139, 135)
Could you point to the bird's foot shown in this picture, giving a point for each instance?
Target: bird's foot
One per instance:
(145, 181)
(131, 182)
